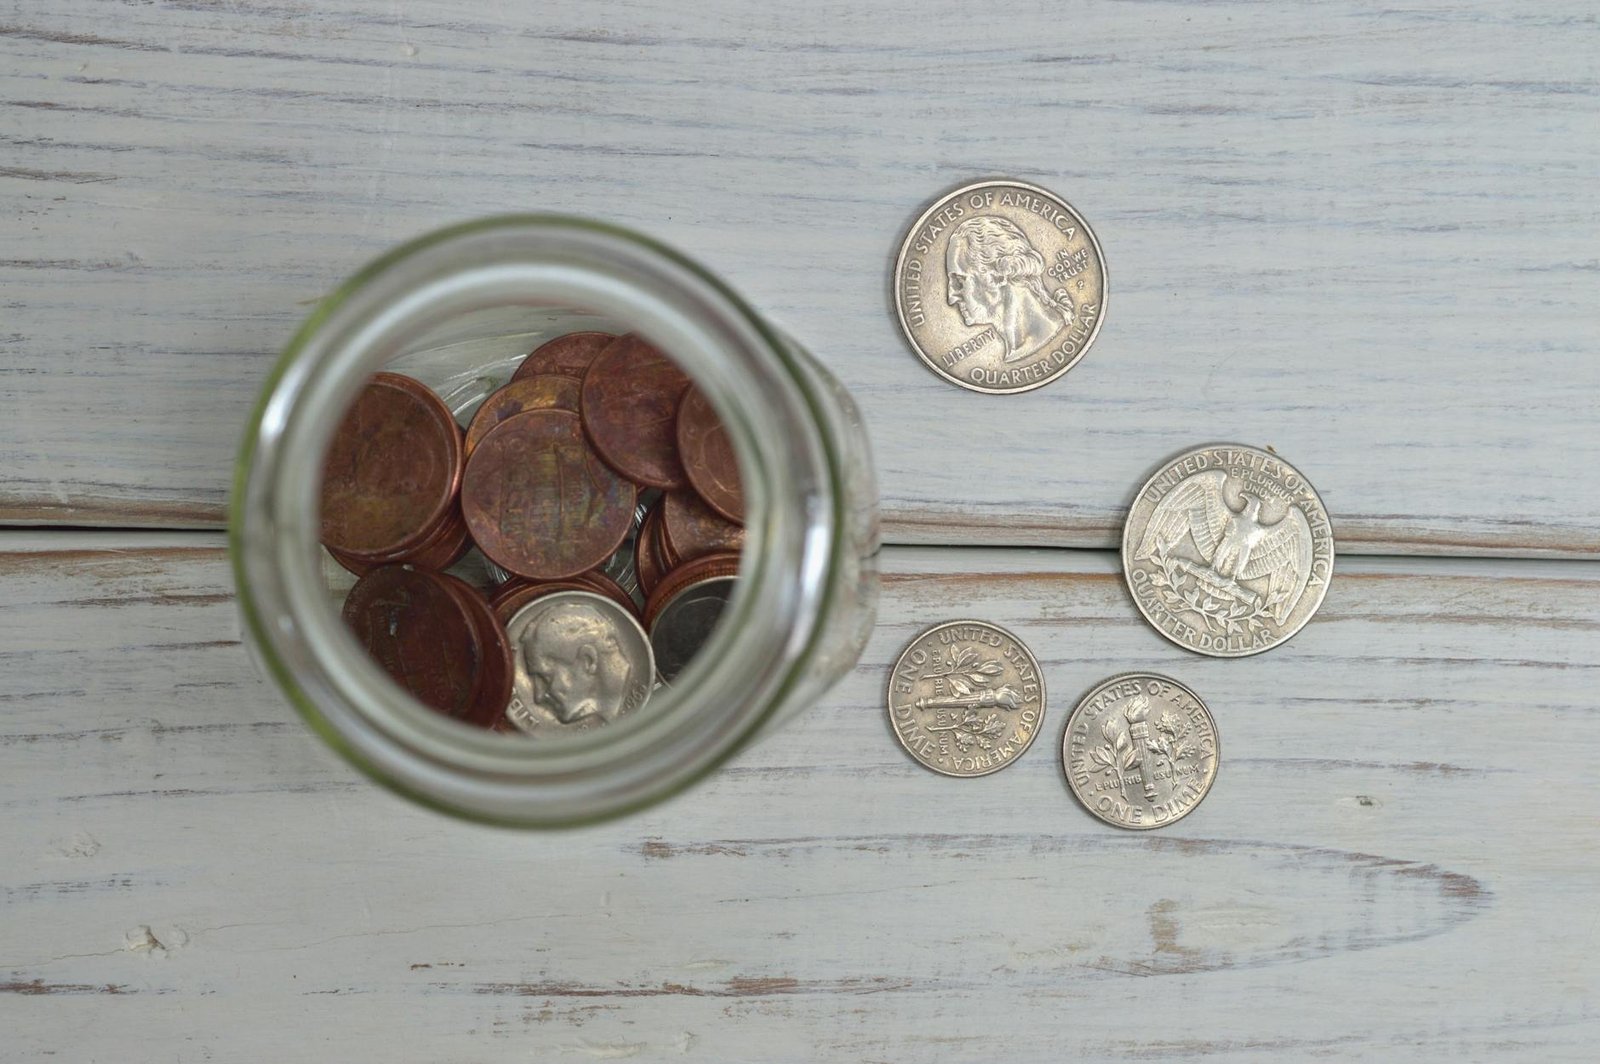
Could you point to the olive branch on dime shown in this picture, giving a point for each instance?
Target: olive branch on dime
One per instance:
(965, 671)
(973, 730)
(1117, 754)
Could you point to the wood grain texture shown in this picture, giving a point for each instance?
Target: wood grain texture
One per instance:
(1397, 861)
(1362, 236)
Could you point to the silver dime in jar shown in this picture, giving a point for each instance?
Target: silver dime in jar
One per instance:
(581, 662)
(966, 698)
(1227, 550)
(686, 622)
(1000, 287)
(497, 575)
(1140, 751)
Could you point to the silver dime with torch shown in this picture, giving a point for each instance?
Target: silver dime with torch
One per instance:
(1140, 751)
(966, 698)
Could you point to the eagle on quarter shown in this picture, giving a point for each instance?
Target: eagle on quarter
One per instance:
(1234, 544)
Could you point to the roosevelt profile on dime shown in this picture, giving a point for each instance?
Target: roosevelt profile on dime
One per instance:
(578, 670)
(1228, 550)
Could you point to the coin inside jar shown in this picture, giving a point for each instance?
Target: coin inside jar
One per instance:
(444, 546)
(568, 355)
(492, 692)
(582, 661)
(420, 633)
(517, 593)
(537, 500)
(610, 538)
(650, 564)
(600, 581)
(543, 391)
(630, 411)
(392, 470)
(684, 610)
(512, 596)
(708, 457)
(690, 529)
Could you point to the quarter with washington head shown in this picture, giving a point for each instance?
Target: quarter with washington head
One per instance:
(1000, 287)
(1228, 550)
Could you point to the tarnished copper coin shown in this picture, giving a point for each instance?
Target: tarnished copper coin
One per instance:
(538, 501)
(493, 690)
(710, 567)
(630, 411)
(510, 599)
(417, 630)
(691, 529)
(592, 580)
(392, 470)
(543, 391)
(444, 546)
(649, 563)
(567, 355)
(708, 457)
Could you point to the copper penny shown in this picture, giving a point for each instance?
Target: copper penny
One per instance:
(509, 600)
(567, 355)
(592, 580)
(493, 692)
(543, 391)
(444, 546)
(419, 633)
(709, 567)
(708, 457)
(692, 529)
(630, 411)
(538, 501)
(649, 563)
(392, 470)
(667, 560)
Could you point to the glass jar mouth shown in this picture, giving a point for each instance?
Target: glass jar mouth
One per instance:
(543, 263)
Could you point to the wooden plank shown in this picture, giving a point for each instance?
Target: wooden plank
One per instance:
(1398, 858)
(1363, 237)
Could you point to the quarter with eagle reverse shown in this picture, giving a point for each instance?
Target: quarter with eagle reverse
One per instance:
(1227, 550)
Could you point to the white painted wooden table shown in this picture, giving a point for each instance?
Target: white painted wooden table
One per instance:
(1364, 236)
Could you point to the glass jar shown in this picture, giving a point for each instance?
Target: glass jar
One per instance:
(458, 309)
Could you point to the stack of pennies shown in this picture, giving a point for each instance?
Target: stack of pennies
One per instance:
(391, 479)
(603, 493)
(437, 637)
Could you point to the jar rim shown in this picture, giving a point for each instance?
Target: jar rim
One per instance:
(794, 524)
